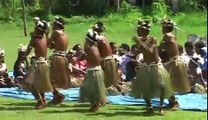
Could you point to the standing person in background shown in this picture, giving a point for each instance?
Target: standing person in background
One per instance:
(93, 87)
(60, 74)
(108, 63)
(169, 53)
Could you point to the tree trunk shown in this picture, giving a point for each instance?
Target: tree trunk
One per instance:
(143, 4)
(117, 4)
(13, 8)
(24, 18)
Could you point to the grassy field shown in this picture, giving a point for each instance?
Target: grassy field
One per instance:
(119, 30)
(13, 109)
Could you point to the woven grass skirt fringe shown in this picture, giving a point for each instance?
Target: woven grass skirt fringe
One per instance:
(149, 81)
(93, 88)
(179, 76)
(110, 72)
(38, 77)
(60, 74)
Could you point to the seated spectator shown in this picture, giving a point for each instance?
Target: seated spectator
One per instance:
(197, 82)
(189, 52)
(5, 80)
(201, 49)
(130, 59)
(21, 64)
(113, 47)
(123, 49)
(117, 57)
(77, 75)
(115, 52)
(77, 50)
(130, 66)
(203, 53)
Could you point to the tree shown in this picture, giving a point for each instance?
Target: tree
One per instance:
(6, 6)
(24, 18)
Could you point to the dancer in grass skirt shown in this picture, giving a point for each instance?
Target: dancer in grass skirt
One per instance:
(169, 54)
(152, 79)
(108, 62)
(37, 80)
(60, 74)
(93, 88)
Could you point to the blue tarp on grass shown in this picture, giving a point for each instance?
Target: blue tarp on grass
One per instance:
(194, 102)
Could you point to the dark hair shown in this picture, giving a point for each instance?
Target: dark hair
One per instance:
(200, 44)
(91, 37)
(112, 43)
(98, 27)
(60, 22)
(189, 44)
(125, 47)
(76, 47)
(134, 46)
(169, 28)
(42, 25)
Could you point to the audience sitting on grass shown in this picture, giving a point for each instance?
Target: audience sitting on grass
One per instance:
(21, 65)
(201, 49)
(79, 61)
(197, 82)
(203, 53)
(5, 80)
(77, 74)
(130, 63)
(189, 52)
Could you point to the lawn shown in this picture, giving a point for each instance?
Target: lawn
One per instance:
(16, 109)
(119, 30)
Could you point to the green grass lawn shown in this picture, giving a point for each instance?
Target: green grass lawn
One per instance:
(17, 109)
(119, 30)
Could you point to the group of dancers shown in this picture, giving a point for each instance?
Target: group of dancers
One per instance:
(161, 73)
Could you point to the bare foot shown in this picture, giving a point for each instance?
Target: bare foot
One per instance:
(161, 111)
(58, 99)
(40, 105)
(173, 106)
(94, 108)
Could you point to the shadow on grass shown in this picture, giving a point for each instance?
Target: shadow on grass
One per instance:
(16, 108)
(81, 105)
(20, 104)
(122, 113)
(127, 108)
(66, 111)
(68, 106)
(58, 106)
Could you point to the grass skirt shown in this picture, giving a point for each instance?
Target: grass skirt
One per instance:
(110, 72)
(179, 76)
(38, 77)
(93, 88)
(149, 81)
(60, 74)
